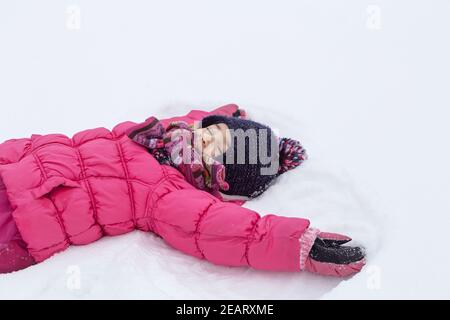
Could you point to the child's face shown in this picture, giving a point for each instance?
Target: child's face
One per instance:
(213, 140)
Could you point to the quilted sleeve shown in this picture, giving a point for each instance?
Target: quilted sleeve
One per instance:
(202, 226)
(12, 150)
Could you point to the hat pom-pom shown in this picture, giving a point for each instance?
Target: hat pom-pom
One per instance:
(292, 154)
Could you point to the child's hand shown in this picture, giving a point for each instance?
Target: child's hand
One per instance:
(329, 256)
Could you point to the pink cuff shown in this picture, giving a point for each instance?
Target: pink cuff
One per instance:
(306, 243)
(334, 270)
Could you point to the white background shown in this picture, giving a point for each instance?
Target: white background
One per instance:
(364, 85)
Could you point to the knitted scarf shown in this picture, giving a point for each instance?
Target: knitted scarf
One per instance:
(174, 147)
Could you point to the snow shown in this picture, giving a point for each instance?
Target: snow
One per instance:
(362, 84)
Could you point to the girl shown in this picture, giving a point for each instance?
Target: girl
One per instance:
(182, 180)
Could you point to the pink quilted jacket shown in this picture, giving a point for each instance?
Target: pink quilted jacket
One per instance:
(73, 191)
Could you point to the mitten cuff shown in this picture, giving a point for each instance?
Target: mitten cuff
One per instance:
(306, 243)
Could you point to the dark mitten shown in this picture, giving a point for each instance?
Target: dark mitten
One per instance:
(329, 256)
(334, 252)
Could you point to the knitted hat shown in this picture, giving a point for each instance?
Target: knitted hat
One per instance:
(254, 160)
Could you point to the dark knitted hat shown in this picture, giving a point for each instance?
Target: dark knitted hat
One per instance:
(247, 172)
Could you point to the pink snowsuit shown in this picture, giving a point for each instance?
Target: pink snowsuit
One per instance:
(72, 191)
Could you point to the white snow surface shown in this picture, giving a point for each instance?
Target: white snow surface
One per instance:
(366, 93)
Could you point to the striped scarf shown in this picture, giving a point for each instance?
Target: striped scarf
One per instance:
(174, 147)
